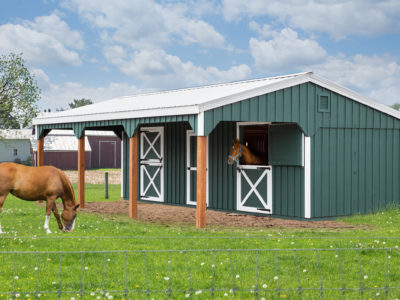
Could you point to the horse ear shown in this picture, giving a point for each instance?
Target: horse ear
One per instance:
(76, 207)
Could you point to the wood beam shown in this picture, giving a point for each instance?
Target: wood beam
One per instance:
(133, 176)
(81, 171)
(40, 152)
(201, 194)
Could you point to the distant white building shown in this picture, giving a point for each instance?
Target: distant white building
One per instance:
(15, 145)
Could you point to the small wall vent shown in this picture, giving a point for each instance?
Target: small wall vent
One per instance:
(324, 103)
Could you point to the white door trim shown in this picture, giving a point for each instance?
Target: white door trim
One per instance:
(307, 177)
(189, 201)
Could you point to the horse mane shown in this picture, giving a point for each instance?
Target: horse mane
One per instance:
(67, 187)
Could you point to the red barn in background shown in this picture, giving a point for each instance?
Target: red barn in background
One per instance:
(102, 150)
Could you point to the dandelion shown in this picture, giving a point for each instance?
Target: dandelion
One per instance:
(304, 270)
(108, 259)
(237, 275)
(36, 268)
(276, 278)
(377, 294)
(86, 268)
(389, 256)
(365, 276)
(336, 256)
(264, 286)
(166, 278)
(202, 264)
(16, 277)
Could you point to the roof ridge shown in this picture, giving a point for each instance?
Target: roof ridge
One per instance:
(214, 85)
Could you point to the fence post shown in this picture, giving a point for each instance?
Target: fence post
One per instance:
(106, 184)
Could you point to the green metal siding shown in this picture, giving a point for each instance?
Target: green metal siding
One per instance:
(221, 176)
(288, 191)
(354, 170)
(175, 163)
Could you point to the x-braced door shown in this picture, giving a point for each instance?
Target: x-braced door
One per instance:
(151, 164)
(254, 184)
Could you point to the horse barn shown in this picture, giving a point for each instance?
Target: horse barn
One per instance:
(326, 151)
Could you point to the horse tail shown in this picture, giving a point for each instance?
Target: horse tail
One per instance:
(67, 186)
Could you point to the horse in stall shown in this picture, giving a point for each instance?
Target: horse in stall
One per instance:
(40, 183)
(239, 150)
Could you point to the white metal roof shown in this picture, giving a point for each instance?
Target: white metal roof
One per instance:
(54, 142)
(16, 134)
(196, 100)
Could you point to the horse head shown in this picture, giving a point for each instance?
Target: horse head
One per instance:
(236, 152)
(68, 215)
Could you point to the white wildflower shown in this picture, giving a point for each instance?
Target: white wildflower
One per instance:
(166, 278)
(16, 277)
(304, 270)
(265, 286)
(365, 276)
(237, 275)
(198, 292)
(276, 278)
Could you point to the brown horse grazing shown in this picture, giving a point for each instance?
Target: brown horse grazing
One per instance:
(239, 150)
(40, 183)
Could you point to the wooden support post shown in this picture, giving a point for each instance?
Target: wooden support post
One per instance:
(133, 176)
(81, 171)
(201, 182)
(40, 152)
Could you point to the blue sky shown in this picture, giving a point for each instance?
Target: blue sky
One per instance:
(104, 49)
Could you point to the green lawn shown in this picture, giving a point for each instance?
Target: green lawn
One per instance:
(124, 258)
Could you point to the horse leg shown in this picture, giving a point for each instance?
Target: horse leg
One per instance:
(2, 198)
(50, 202)
(57, 216)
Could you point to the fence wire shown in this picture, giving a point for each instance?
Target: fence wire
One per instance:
(204, 274)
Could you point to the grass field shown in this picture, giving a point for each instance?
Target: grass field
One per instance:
(109, 257)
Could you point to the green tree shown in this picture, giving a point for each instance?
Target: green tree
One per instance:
(80, 102)
(19, 92)
(396, 106)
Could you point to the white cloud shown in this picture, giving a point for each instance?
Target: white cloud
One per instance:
(158, 68)
(286, 51)
(53, 26)
(337, 18)
(40, 46)
(146, 24)
(57, 96)
(373, 76)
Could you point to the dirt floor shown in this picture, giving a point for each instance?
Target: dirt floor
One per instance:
(168, 214)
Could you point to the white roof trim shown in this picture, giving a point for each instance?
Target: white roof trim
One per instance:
(226, 94)
(132, 114)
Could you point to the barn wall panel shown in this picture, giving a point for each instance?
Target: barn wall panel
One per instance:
(354, 170)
